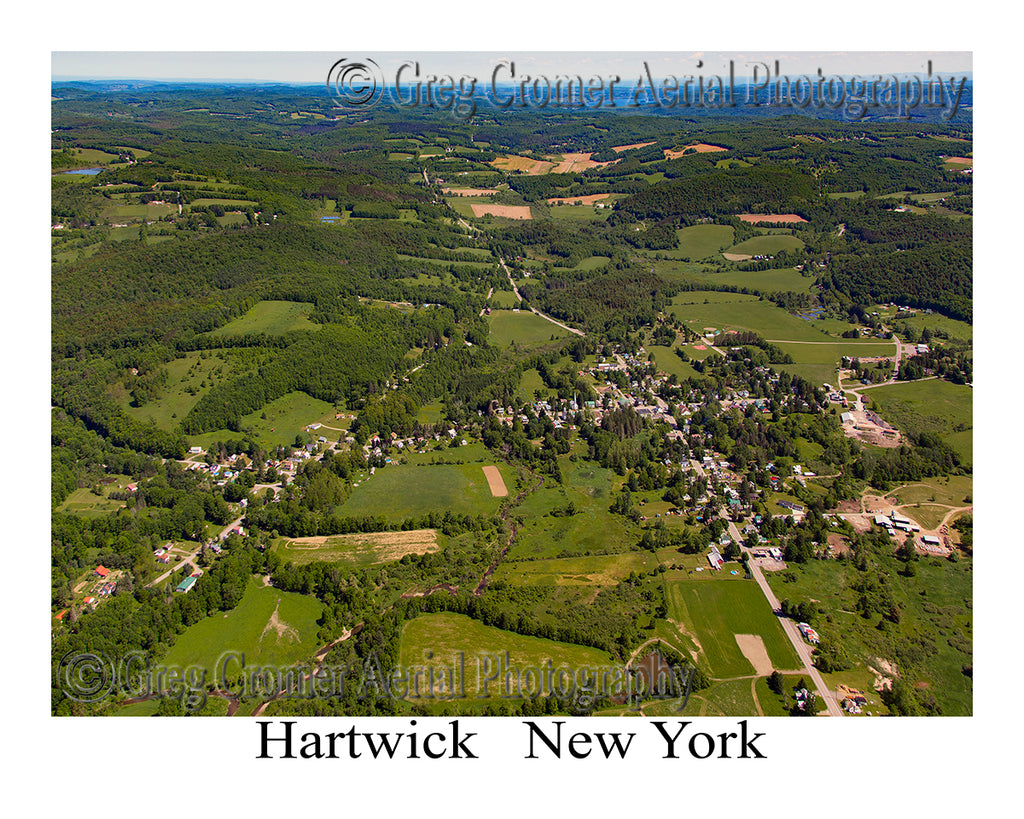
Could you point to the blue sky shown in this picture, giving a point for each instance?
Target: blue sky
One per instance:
(312, 66)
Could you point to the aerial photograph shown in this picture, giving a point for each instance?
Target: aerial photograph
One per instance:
(511, 384)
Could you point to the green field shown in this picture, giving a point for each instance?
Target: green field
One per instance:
(715, 611)
(271, 317)
(929, 406)
(286, 417)
(268, 626)
(523, 328)
(767, 245)
(593, 262)
(935, 321)
(83, 502)
(446, 639)
(952, 491)
(702, 241)
(430, 413)
(589, 570)
(187, 379)
(735, 311)
(503, 298)
(529, 383)
(231, 204)
(669, 362)
(402, 491)
(768, 281)
(592, 530)
(818, 362)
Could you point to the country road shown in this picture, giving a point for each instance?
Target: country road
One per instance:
(534, 310)
(803, 650)
(191, 558)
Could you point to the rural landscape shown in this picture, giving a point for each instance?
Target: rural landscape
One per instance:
(384, 413)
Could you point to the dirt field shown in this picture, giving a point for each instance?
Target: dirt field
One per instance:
(838, 543)
(771, 218)
(753, 649)
(279, 627)
(576, 163)
(864, 427)
(737, 257)
(960, 160)
(586, 200)
(620, 148)
(522, 163)
(368, 547)
(508, 211)
(700, 147)
(495, 481)
(468, 191)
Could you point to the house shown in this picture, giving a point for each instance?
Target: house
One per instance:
(90, 602)
(186, 585)
(809, 633)
(715, 558)
(101, 571)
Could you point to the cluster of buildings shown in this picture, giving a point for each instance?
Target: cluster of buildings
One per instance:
(895, 522)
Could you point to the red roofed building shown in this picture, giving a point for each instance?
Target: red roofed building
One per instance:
(102, 571)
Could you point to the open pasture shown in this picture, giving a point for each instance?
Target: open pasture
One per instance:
(183, 387)
(701, 241)
(401, 491)
(268, 626)
(271, 317)
(767, 245)
(446, 639)
(736, 311)
(523, 328)
(934, 406)
(714, 612)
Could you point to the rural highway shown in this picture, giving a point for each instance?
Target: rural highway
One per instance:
(803, 649)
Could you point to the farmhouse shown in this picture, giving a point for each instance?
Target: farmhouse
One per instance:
(101, 571)
(809, 633)
(715, 558)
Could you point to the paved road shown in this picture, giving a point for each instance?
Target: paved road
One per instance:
(803, 649)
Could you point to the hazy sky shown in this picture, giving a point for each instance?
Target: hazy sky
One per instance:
(311, 67)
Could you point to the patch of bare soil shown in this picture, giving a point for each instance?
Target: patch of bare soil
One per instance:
(753, 649)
